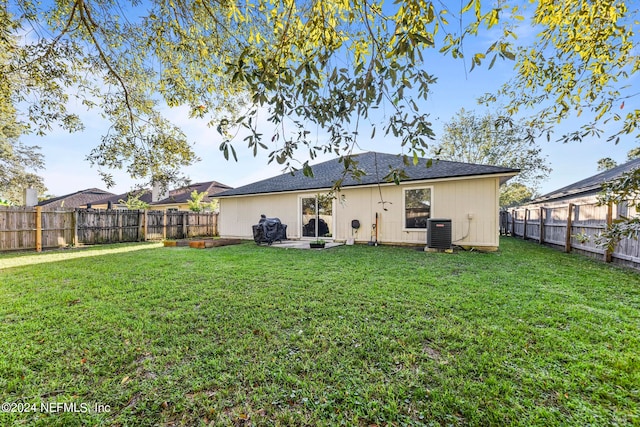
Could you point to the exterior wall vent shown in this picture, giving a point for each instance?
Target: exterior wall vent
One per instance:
(439, 233)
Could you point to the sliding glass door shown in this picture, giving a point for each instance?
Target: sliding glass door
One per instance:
(317, 216)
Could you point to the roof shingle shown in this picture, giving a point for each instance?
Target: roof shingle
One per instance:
(592, 184)
(375, 167)
(179, 195)
(75, 200)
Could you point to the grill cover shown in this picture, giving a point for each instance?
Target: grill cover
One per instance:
(269, 230)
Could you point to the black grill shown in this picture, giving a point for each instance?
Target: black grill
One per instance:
(269, 230)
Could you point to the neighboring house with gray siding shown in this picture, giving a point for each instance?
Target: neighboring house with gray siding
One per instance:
(584, 191)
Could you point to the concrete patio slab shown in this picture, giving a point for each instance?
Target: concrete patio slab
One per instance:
(302, 244)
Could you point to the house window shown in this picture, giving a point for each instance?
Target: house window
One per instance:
(417, 207)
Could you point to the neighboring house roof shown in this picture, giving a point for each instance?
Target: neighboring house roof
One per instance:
(182, 195)
(144, 195)
(177, 196)
(77, 199)
(590, 185)
(375, 167)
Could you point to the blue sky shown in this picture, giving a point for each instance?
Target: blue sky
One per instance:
(67, 170)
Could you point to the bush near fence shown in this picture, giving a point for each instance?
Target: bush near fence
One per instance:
(34, 228)
(572, 228)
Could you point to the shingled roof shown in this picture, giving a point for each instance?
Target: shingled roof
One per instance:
(179, 195)
(375, 167)
(75, 200)
(143, 195)
(590, 185)
(182, 195)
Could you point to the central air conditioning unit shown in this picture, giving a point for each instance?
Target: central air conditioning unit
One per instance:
(439, 233)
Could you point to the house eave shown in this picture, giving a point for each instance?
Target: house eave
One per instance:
(503, 178)
(583, 191)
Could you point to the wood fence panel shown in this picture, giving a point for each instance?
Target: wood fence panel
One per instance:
(555, 226)
(155, 225)
(517, 223)
(17, 228)
(97, 226)
(200, 224)
(533, 224)
(57, 228)
(518, 227)
(627, 250)
(504, 223)
(586, 222)
(175, 225)
(130, 226)
(555, 234)
(63, 227)
(86, 230)
(194, 224)
(589, 220)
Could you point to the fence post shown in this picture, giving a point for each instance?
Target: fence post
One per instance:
(541, 239)
(144, 227)
(75, 227)
(513, 223)
(607, 252)
(164, 224)
(38, 228)
(185, 224)
(119, 217)
(524, 231)
(567, 244)
(140, 225)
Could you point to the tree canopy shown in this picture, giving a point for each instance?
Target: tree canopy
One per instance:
(515, 194)
(197, 203)
(606, 163)
(489, 140)
(581, 64)
(316, 71)
(622, 192)
(306, 65)
(18, 162)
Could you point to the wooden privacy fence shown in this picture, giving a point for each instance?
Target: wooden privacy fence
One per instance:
(35, 228)
(572, 228)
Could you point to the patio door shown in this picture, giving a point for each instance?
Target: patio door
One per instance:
(317, 216)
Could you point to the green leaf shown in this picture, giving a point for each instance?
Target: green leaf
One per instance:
(306, 170)
(468, 6)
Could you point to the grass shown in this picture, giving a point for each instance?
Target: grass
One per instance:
(357, 335)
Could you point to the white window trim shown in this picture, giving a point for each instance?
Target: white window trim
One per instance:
(404, 210)
(299, 220)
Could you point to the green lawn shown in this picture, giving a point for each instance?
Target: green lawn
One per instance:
(358, 335)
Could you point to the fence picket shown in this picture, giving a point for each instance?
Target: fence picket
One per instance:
(64, 227)
(572, 228)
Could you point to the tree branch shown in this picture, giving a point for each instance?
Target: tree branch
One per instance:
(89, 23)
